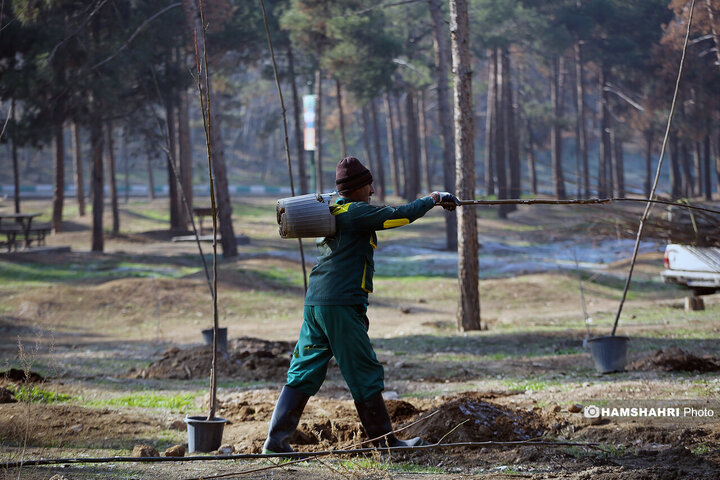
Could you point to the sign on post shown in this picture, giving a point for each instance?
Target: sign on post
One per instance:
(309, 121)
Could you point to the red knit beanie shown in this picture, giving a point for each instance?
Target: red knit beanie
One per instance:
(350, 175)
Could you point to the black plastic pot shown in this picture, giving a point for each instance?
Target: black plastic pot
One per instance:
(609, 353)
(222, 338)
(204, 435)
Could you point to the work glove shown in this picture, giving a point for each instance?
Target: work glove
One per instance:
(446, 199)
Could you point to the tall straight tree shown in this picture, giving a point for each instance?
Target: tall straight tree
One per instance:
(556, 128)
(468, 314)
(229, 244)
(379, 169)
(112, 177)
(318, 130)
(79, 175)
(299, 138)
(425, 159)
(338, 97)
(500, 139)
(412, 165)
(581, 128)
(59, 175)
(490, 124)
(442, 64)
(391, 142)
(513, 149)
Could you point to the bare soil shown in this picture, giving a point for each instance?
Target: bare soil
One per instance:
(112, 333)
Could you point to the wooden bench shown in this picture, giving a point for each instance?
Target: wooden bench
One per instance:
(15, 231)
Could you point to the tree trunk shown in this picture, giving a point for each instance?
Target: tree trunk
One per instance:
(619, 162)
(229, 244)
(531, 158)
(490, 124)
(706, 169)
(697, 163)
(112, 180)
(603, 160)
(685, 163)
(172, 165)
(425, 160)
(500, 140)
(412, 167)
(445, 116)
(581, 128)
(79, 176)
(299, 138)
(510, 131)
(379, 169)
(675, 175)
(391, 141)
(468, 314)
(185, 143)
(151, 179)
(98, 187)
(717, 163)
(556, 130)
(59, 176)
(318, 132)
(16, 167)
(402, 162)
(647, 186)
(338, 95)
(366, 138)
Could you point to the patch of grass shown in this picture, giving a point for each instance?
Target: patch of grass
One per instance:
(36, 394)
(369, 463)
(532, 385)
(147, 400)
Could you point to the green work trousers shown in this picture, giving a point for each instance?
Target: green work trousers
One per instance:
(339, 330)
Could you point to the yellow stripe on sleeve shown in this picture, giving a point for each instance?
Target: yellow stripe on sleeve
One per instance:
(396, 222)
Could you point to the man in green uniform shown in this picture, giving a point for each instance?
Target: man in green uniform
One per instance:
(335, 323)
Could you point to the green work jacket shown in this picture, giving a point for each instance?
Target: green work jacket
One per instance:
(344, 272)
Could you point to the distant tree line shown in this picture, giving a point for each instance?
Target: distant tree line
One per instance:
(563, 91)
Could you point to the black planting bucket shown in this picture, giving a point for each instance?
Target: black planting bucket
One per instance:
(204, 435)
(222, 338)
(609, 353)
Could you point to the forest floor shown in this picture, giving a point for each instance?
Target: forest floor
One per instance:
(115, 340)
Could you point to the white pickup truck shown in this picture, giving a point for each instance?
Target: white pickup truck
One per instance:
(697, 268)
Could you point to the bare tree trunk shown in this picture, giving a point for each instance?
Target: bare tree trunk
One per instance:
(151, 179)
(675, 173)
(16, 167)
(412, 168)
(229, 244)
(59, 176)
(603, 160)
(391, 141)
(697, 163)
(318, 131)
(98, 187)
(531, 158)
(619, 162)
(338, 95)
(648, 162)
(717, 163)
(510, 131)
(299, 138)
(706, 165)
(366, 137)
(379, 169)
(425, 160)
(687, 179)
(79, 177)
(445, 116)
(402, 163)
(172, 165)
(556, 131)
(581, 128)
(468, 315)
(500, 141)
(112, 179)
(185, 144)
(490, 124)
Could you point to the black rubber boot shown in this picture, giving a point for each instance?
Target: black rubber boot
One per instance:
(285, 419)
(376, 421)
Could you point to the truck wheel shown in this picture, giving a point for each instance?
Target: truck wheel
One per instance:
(697, 291)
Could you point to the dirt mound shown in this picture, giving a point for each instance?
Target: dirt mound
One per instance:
(248, 359)
(326, 431)
(675, 360)
(477, 421)
(400, 410)
(17, 375)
